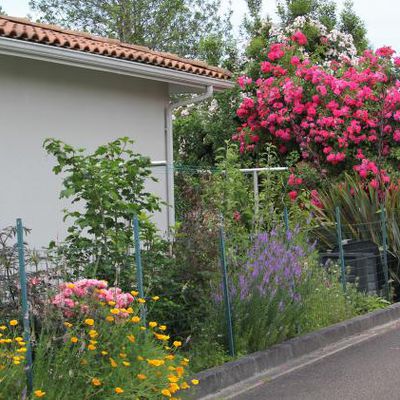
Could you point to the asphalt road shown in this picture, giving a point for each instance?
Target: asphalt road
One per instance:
(366, 371)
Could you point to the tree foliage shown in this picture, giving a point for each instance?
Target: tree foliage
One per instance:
(179, 26)
(325, 11)
(106, 189)
(351, 23)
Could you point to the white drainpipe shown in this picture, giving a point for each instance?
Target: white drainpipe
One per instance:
(169, 143)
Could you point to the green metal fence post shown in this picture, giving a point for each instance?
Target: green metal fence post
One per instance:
(385, 251)
(340, 244)
(228, 312)
(138, 259)
(25, 306)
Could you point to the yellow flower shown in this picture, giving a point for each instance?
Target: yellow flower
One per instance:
(96, 382)
(129, 310)
(109, 318)
(92, 347)
(112, 303)
(3, 328)
(173, 387)
(161, 337)
(89, 321)
(118, 390)
(163, 327)
(70, 286)
(18, 339)
(126, 363)
(21, 350)
(142, 328)
(140, 358)
(113, 363)
(13, 322)
(131, 338)
(180, 371)
(142, 377)
(177, 343)
(155, 298)
(93, 333)
(74, 339)
(104, 353)
(141, 301)
(195, 381)
(134, 293)
(169, 357)
(39, 393)
(67, 324)
(152, 324)
(166, 393)
(135, 319)
(173, 378)
(114, 311)
(122, 355)
(184, 386)
(156, 363)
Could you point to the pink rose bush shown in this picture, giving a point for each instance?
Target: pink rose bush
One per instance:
(341, 117)
(76, 297)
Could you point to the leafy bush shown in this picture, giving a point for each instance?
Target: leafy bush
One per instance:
(360, 210)
(109, 188)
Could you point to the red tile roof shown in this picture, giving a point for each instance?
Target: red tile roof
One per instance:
(23, 29)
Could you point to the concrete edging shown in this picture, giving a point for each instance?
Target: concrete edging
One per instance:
(216, 379)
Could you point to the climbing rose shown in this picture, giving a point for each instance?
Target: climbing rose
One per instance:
(300, 38)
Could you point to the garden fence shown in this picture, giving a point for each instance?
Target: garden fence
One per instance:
(363, 263)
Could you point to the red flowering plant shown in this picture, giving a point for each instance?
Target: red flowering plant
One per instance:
(340, 117)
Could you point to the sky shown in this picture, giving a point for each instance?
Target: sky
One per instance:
(381, 17)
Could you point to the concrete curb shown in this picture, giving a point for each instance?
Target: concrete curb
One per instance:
(218, 378)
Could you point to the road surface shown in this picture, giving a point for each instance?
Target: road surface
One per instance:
(369, 370)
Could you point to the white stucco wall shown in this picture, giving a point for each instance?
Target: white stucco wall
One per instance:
(83, 108)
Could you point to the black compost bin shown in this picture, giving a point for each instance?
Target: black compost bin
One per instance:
(363, 264)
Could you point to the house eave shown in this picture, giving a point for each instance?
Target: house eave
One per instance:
(58, 55)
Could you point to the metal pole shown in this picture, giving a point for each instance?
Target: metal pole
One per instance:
(25, 306)
(385, 252)
(340, 244)
(228, 313)
(138, 259)
(256, 194)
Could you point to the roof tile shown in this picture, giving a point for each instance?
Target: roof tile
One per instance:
(23, 29)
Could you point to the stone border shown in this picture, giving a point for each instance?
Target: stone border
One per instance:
(216, 379)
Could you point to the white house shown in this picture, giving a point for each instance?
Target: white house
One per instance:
(86, 91)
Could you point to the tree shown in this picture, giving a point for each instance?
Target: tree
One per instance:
(110, 185)
(178, 26)
(351, 23)
(289, 10)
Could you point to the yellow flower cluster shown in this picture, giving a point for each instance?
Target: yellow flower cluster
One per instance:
(109, 351)
(140, 352)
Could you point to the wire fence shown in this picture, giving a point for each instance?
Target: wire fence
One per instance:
(228, 264)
